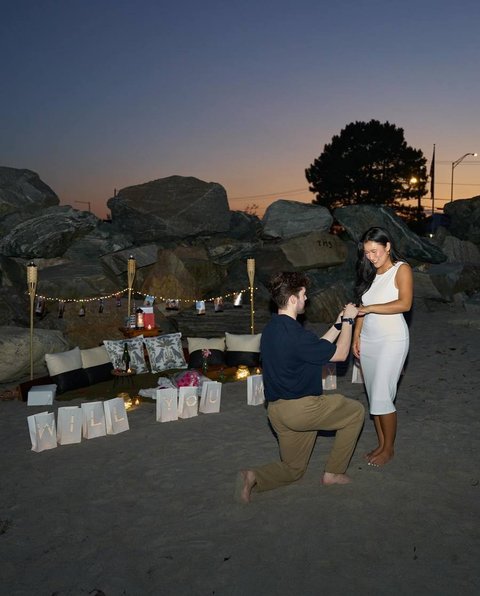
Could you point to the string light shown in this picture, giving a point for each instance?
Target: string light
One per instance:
(125, 290)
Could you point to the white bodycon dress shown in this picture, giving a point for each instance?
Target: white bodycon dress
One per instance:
(384, 342)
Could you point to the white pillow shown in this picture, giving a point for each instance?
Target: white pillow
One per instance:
(94, 356)
(135, 349)
(200, 343)
(165, 352)
(242, 343)
(97, 365)
(62, 362)
(66, 370)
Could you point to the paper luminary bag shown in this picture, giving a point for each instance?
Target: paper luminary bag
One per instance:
(116, 419)
(329, 376)
(42, 431)
(357, 374)
(167, 404)
(211, 396)
(93, 420)
(69, 425)
(187, 402)
(255, 393)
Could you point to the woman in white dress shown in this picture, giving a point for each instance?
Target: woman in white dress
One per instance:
(380, 340)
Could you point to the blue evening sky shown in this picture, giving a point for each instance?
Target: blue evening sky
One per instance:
(103, 94)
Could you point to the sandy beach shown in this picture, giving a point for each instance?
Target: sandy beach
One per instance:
(151, 511)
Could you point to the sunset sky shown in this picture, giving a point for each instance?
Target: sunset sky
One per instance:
(102, 94)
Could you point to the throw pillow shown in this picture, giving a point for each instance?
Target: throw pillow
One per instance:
(216, 345)
(97, 364)
(135, 349)
(66, 370)
(165, 352)
(242, 349)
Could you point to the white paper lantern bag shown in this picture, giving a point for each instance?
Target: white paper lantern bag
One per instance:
(93, 420)
(255, 391)
(167, 407)
(187, 402)
(329, 376)
(116, 419)
(42, 431)
(69, 425)
(211, 396)
(357, 374)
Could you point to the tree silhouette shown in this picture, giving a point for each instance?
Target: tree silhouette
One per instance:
(369, 163)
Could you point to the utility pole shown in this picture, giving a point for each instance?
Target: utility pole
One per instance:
(85, 203)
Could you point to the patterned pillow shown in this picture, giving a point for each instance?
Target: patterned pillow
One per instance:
(66, 370)
(216, 345)
(165, 352)
(135, 349)
(242, 349)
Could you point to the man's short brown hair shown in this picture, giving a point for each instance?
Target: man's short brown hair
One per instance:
(284, 284)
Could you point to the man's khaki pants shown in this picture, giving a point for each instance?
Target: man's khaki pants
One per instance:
(296, 422)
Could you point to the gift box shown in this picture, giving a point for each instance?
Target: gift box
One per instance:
(148, 317)
(41, 395)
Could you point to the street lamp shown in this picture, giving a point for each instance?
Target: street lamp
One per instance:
(414, 182)
(454, 165)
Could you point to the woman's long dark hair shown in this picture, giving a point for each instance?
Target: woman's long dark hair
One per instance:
(365, 270)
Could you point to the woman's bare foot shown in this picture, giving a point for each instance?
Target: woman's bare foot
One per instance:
(372, 453)
(380, 459)
(243, 487)
(329, 478)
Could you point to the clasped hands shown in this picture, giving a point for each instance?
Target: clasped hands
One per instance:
(350, 311)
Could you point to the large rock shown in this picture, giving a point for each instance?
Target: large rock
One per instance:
(144, 255)
(47, 235)
(102, 240)
(357, 219)
(464, 217)
(455, 278)
(75, 280)
(100, 321)
(287, 219)
(460, 251)
(244, 226)
(185, 273)
(315, 250)
(325, 305)
(226, 250)
(22, 190)
(15, 350)
(14, 305)
(170, 208)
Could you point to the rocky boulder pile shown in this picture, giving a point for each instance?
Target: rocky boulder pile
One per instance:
(188, 245)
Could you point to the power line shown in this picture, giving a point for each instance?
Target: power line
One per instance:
(270, 194)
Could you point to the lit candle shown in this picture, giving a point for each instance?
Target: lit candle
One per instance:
(149, 326)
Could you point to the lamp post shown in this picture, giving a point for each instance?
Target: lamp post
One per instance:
(454, 165)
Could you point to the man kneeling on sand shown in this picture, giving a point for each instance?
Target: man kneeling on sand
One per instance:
(292, 360)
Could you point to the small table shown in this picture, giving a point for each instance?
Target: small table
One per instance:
(123, 377)
(145, 331)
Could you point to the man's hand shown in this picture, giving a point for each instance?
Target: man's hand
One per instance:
(350, 311)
